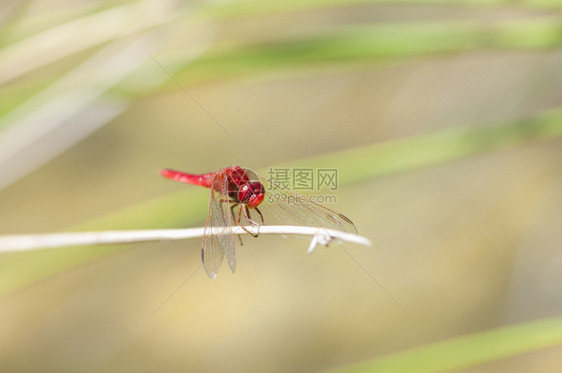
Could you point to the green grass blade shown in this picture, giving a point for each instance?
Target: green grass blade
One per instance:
(443, 146)
(62, 40)
(260, 7)
(362, 44)
(468, 350)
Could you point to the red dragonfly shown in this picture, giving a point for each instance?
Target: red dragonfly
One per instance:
(237, 187)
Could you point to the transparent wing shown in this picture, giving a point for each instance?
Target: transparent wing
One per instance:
(284, 207)
(281, 210)
(217, 238)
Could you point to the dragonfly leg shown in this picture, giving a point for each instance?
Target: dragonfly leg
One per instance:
(232, 211)
(254, 223)
(261, 216)
(237, 220)
(247, 231)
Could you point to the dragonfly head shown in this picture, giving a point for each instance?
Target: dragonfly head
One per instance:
(251, 194)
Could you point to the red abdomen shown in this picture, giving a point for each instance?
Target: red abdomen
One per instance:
(203, 180)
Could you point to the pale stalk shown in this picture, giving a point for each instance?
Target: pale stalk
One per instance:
(13, 243)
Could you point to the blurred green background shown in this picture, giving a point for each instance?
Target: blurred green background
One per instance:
(452, 168)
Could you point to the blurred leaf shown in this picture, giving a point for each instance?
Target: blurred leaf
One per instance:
(261, 7)
(357, 44)
(189, 207)
(468, 350)
(354, 44)
(14, 95)
(71, 106)
(78, 34)
(443, 146)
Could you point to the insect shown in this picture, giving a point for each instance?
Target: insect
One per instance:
(238, 197)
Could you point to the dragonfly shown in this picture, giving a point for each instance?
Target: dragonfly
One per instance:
(238, 197)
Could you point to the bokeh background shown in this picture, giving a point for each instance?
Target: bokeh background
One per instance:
(446, 120)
